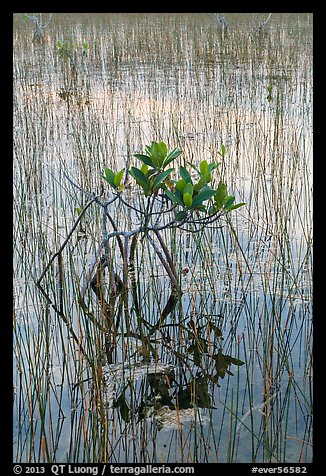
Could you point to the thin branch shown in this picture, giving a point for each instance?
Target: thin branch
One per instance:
(90, 271)
(92, 194)
(47, 23)
(64, 318)
(166, 252)
(125, 174)
(103, 222)
(104, 244)
(130, 206)
(124, 233)
(39, 27)
(66, 240)
(165, 263)
(34, 19)
(221, 18)
(125, 262)
(132, 272)
(263, 24)
(115, 228)
(208, 220)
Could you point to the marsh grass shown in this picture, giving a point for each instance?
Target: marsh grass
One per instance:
(183, 79)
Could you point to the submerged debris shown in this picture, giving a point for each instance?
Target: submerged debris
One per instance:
(116, 375)
(158, 408)
(169, 419)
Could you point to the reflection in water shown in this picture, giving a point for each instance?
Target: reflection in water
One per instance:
(160, 391)
(172, 387)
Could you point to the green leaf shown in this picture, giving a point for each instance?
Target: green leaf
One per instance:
(197, 355)
(158, 152)
(144, 169)
(188, 189)
(194, 167)
(202, 182)
(203, 167)
(140, 178)
(138, 174)
(232, 360)
(145, 159)
(185, 174)
(171, 156)
(229, 201)
(234, 207)
(187, 199)
(220, 195)
(174, 198)
(123, 406)
(118, 178)
(125, 411)
(151, 172)
(203, 398)
(181, 215)
(237, 361)
(202, 197)
(212, 167)
(221, 364)
(201, 208)
(223, 150)
(148, 150)
(163, 150)
(179, 195)
(109, 176)
(180, 185)
(159, 179)
(217, 331)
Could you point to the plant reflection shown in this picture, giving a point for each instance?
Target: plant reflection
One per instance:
(164, 392)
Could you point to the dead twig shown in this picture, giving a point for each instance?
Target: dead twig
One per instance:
(57, 253)
(221, 19)
(263, 23)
